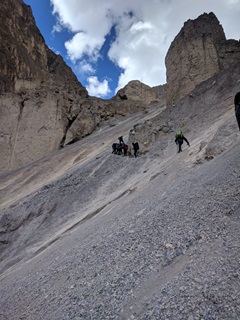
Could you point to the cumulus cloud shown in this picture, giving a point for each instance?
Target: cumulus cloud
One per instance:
(81, 44)
(97, 88)
(86, 67)
(144, 31)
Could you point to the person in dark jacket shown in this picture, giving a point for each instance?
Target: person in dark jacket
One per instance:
(120, 139)
(237, 108)
(179, 138)
(135, 148)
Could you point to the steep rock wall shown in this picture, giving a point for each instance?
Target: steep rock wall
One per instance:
(199, 51)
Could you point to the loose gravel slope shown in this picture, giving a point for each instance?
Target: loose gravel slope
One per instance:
(168, 249)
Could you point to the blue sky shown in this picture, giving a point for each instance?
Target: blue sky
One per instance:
(108, 43)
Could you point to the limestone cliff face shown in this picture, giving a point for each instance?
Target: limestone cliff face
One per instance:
(23, 53)
(35, 103)
(198, 52)
(43, 107)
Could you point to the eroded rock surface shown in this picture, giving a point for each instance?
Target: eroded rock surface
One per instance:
(137, 91)
(199, 51)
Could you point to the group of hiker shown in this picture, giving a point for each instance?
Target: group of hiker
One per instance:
(122, 147)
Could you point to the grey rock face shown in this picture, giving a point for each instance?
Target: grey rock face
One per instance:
(137, 91)
(199, 51)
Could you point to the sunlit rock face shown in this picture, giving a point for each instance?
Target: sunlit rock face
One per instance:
(39, 94)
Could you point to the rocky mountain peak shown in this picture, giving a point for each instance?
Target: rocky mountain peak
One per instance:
(207, 24)
(137, 91)
(199, 51)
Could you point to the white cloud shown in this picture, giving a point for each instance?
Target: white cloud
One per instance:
(97, 88)
(144, 30)
(89, 21)
(234, 2)
(57, 28)
(81, 44)
(85, 67)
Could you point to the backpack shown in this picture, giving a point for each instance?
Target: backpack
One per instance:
(179, 134)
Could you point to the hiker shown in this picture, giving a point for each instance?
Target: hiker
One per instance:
(237, 108)
(135, 148)
(121, 140)
(179, 137)
(114, 147)
(117, 148)
(125, 149)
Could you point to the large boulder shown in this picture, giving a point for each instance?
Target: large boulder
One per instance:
(137, 91)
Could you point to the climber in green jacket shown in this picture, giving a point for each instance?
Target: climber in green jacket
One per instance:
(179, 138)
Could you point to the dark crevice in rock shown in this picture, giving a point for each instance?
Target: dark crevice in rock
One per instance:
(22, 104)
(70, 122)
